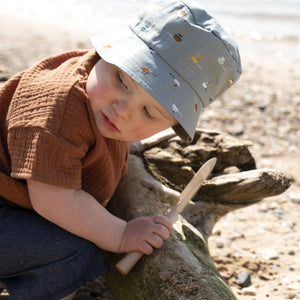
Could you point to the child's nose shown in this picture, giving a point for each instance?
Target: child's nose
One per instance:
(122, 108)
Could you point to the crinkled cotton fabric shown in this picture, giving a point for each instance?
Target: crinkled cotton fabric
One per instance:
(48, 133)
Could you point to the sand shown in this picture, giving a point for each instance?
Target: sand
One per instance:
(263, 107)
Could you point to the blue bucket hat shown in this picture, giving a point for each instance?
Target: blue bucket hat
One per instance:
(179, 53)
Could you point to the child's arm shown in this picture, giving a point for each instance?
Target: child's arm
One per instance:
(79, 213)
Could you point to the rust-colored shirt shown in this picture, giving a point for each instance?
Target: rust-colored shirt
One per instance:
(48, 133)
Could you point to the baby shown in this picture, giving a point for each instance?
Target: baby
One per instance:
(66, 127)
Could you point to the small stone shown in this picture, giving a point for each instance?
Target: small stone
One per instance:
(220, 245)
(279, 213)
(269, 254)
(295, 198)
(286, 280)
(294, 286)
(263, 276)
(252, 266)
(249, 291)
(292, 295)
(244, 279)
(291, 252)
(217, 232)
(225, 276)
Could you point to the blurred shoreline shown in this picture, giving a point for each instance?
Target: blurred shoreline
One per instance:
(49, 36)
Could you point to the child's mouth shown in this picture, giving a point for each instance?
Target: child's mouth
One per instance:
(109, 125)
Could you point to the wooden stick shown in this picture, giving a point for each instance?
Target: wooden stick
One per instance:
(128, 261)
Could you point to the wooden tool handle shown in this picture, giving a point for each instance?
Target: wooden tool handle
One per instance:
(128, 262)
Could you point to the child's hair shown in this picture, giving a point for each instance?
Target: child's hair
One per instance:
(179, 53)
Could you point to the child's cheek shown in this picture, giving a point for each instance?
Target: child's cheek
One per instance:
(140, 132)
(97, 90)
(101, 94)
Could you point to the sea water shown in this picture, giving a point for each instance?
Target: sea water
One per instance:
(265, 21)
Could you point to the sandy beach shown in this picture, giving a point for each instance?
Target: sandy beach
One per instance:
(263, 107)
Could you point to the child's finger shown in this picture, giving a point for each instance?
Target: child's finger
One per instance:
(163, 221)
(161, 231)
(155, 240)
(146, 248)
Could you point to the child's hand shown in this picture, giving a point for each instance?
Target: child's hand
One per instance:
(144, 233)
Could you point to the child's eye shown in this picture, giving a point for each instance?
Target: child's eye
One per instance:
(146, 112)
(120, 81)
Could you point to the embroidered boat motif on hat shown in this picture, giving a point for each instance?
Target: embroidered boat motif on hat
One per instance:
(182, 13)
(176, 110)
(151, 51)
(205, 85)
(196, 59)
(221, 60)
(176, 83)
(145, 71)
(196, 104)
(146, 28)
(178, 37)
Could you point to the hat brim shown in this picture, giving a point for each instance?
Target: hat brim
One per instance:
(125, 50)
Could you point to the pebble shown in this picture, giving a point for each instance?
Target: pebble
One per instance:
(293, 286)
(291, 252)
(279, 213)
(269, 254)
(225, 276)
(286, 280)
(220, 245)
(292, 295)
(296, 199)
(249, 291)
(264, 276)
(244, 279)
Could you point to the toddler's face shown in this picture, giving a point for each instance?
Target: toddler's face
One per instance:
(122, 109)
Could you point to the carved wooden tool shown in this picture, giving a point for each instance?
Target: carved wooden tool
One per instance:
(127, 263)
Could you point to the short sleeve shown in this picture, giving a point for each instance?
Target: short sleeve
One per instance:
(42, 156)
(48, 146)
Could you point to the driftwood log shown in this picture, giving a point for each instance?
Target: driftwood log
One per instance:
(159, 168)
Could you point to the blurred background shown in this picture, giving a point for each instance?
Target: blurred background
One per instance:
(262, 24)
